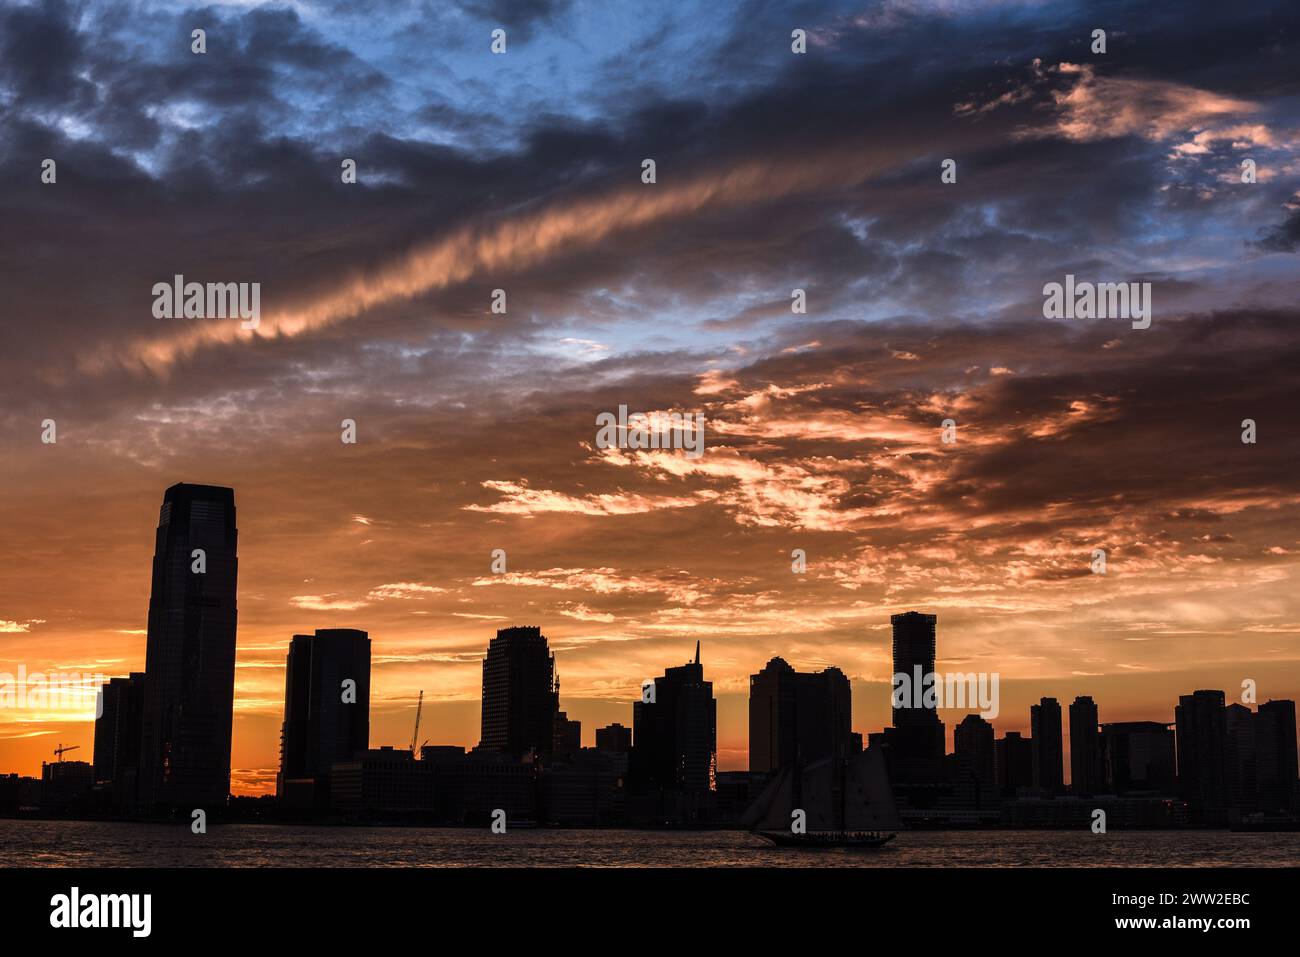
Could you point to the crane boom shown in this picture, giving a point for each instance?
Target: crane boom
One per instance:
(61, 749)
(415, 735)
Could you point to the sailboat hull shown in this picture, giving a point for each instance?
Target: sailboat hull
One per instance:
(826, 840)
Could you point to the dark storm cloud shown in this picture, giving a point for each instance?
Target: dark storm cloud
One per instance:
(1283, 237)
(1238, 50)
(113, 228)
(1160, 422)
(40, 50)
(521, 18)
(89, 62)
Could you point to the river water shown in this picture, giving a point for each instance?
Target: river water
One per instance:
(100, 844)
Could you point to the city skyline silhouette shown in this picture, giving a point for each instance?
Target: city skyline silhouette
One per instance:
(162, 738)
(926, 657)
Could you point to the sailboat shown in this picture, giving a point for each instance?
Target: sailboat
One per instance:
(847, 803)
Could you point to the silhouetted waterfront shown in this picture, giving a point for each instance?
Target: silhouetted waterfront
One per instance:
(97, 844)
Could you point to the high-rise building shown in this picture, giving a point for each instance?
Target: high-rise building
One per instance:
(1138, 756)
(567, 740)
(521, 696)
(189, 687)
(973, 746)
(614, 738)
(1202, 729)
(1013, 763)
(326, 707)
(1275, 749)
(796, 718)
(916, 746)
(1239, 757)
(1049, 760)
(1085, 748)
(117, 732)
(675, 742)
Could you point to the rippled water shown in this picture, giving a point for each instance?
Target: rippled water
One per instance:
(98, 844)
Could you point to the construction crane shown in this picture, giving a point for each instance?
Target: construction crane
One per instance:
(415, 735)
(60, 749)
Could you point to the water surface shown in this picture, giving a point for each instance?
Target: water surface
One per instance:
(101, 844)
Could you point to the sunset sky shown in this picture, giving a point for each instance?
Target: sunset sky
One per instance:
(476, 431)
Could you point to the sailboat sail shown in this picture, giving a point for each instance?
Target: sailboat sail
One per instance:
(835, 795)
(869, 800)
(821, 801)
(771, 809)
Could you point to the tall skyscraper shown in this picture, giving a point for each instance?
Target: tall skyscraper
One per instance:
(1275, 750)
(797, 717)
(1202, 729)
(326, 707)
(973, 746)
(117, 735)
(675, 736)
(916, 744)
(1085, 748)
(1049, 759)
(567, 737)
(521, 697)
(1239, 758)
(190, 654)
